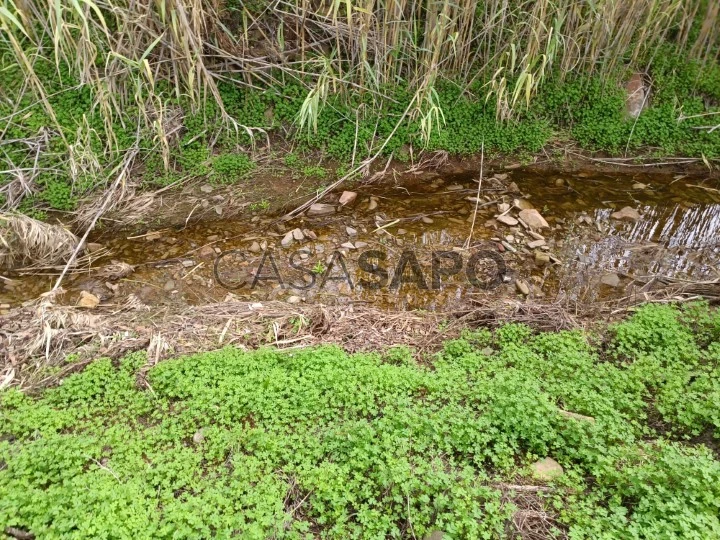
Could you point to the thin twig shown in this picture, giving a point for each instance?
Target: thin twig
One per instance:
(126, 164)
(477, 198)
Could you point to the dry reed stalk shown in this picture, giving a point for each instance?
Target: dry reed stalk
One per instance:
(364, 43)
(27, 241)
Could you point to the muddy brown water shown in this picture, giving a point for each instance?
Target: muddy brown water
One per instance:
(592, 256)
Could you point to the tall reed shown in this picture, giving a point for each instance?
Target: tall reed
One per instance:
(124, 49)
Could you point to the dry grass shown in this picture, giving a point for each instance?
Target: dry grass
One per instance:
(28, 242)
(43, 333)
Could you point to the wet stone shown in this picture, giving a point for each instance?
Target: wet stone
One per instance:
(626, 214)
(507, 220)
(534, 244)
(321, 209)
(287, 240)
(533, 219)
(347, 197)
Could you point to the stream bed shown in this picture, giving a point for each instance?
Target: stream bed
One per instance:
(427, 230)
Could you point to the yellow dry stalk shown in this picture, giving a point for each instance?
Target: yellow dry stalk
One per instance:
(10, 24)
(84, 162)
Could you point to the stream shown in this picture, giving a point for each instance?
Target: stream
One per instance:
(422, 227)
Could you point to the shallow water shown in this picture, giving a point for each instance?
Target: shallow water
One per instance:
(676, 236)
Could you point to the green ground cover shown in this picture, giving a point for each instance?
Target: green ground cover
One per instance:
(583, 110)
(320, 443)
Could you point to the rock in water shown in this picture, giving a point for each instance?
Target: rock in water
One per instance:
(522, 204)
(88, 300)
(547, 469)
(626, 214)
(321, 209)
(206, 251)
(542, 258)
(533, 219)
(298, 235)
(347, 197)
(288, 239)
(507, 220)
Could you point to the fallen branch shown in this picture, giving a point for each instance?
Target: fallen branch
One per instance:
(129, 157)
(363, 165)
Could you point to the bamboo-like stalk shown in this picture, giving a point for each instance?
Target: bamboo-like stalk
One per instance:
(123, 48)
